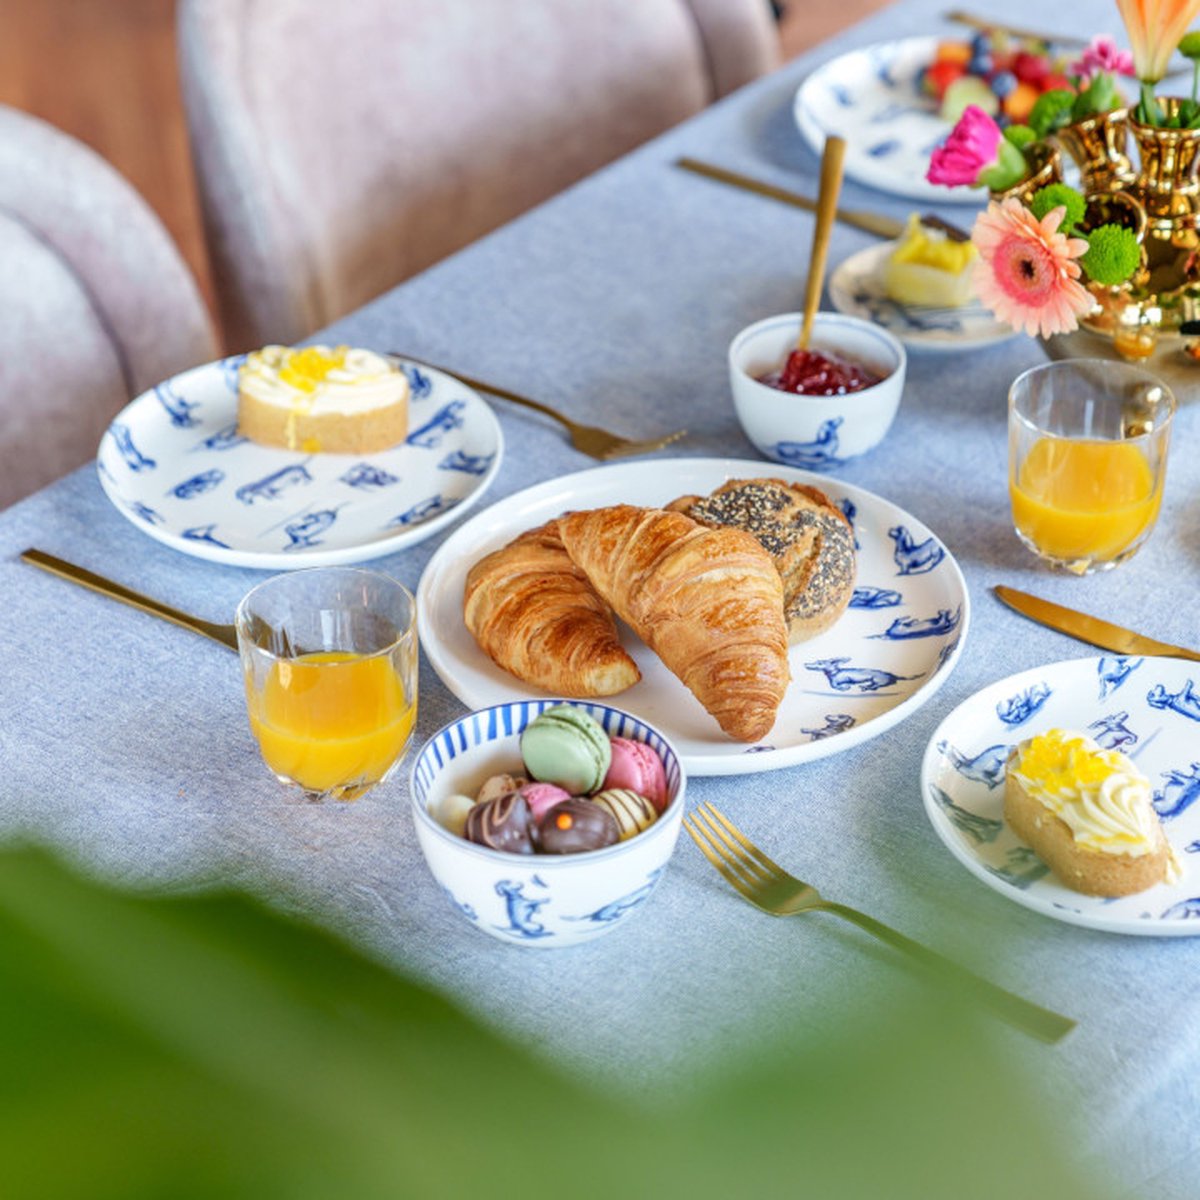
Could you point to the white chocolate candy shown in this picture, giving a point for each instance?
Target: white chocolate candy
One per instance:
(450, 812)
(632, 812)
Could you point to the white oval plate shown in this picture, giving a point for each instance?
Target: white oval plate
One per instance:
(1148, 708)
(856, 289)
(173, 463)
(886, 657)
(870, 97)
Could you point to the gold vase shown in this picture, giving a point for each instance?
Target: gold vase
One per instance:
(1045, 167)
(1098, 146)
(1142, 318)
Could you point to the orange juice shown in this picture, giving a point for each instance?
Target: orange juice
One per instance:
(1079, 500)
(332, 720)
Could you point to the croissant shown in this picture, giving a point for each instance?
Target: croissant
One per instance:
(708, 602)
(533, 612)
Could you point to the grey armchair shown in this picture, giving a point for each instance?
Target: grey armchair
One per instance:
(341, 148)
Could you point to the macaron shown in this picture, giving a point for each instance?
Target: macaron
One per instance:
(543, 796)
(637, 767)
(567, 747)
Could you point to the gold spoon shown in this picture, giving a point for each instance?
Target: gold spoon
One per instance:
(832, 158)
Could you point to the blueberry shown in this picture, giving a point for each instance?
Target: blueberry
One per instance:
(981, 43)
(980, 64)
(1004, 84)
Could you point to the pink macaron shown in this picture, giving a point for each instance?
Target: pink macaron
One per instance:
(637, 767)
(541, 797)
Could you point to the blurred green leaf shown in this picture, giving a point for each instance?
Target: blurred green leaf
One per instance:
(206, 1047)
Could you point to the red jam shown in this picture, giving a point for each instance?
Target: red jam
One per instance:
(810, 373)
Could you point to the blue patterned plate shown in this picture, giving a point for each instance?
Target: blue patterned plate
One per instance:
(173, 463)
(1149, 708)
(870, 97)
(856, 289)
(887, 655)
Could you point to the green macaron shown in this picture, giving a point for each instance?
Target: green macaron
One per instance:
(567, 747)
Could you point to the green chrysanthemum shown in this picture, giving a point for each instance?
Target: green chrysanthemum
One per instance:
(1054, 194)
(1020, 135)
(1112, 255)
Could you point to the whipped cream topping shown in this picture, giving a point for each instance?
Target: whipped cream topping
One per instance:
(317, 379)
(1100, 794)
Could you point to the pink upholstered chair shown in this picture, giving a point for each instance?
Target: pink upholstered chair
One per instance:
(96, 304)
(342, 147)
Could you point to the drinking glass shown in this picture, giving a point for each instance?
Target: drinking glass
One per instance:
(1087, 458)
(329, 658)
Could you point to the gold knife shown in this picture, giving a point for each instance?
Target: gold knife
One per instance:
(1088, 629)
(876, 223)
(988, 24)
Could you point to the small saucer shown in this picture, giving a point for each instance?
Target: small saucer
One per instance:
(856, 289)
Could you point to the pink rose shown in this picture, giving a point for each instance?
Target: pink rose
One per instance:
(976, 147)
(1102, 55)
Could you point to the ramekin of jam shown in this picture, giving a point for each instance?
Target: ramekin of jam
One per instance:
(816, 408)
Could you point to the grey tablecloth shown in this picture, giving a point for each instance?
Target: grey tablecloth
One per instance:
(124, 740)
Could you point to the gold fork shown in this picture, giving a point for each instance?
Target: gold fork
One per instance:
(598, 443)
(769, 887)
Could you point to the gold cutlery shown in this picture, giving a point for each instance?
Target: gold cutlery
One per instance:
(832, 158)
(598, 443)
(876, 223)
(769, 887)
(224, 634)
(1088, 629)
(989, 24)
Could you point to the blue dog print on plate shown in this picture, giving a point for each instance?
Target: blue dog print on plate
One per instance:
(1016, 710)
(873, 597)
(812, 456)
(1185, 701)
(616, 909)
(198, 485)
(986, 767)
(366, 476)
(472, 464)
(1181, 791)
(179, 408)
(423, 510)
(135, 460)
(419, 384)
(980, 830)
(835, 723)
(1113, 670)
(859, 679)
(522, 910)
(306, 533)
(1111, 732)
(204, 533)
(916, 627)
(225, 438)
(1185, 909)
(1022, 868)
(430, 435)
(274, 485)
(912, 557)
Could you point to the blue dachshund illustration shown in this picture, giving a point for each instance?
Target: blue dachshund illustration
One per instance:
(1111, 732)
(860, 679)
(472, 464)
(914, 558)
(979, 829)
(917, 627)
(850, 511)
(1113, 670)
(179, 408)
(522, 911)
(271, 487)
(1016, 710)
(821, 452)
(224, 439)
(430, 435)
(419, 384)
(945, 653)
(150, 515)
(366, 476)
(135, 460)
(204, 533)
(198, 485)
(306, 533)
(1185, 701)
(229, 370)
(1185, 910)
(834, 723)
(1023, 868)
(873, 597)
(616, 909)
(423, 510)
(1181, 791)
(986, 767)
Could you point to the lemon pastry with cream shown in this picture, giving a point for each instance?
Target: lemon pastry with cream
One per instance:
(1087, 813)
(929, 268)
(339, 400)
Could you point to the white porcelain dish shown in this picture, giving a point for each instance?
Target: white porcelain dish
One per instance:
(174, 464)
(871, 98)
(1149, 708)
(815, 433)
(544, 901)
(885, 658)
(856, 288)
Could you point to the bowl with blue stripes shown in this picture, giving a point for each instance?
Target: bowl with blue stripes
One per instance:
(539, 900)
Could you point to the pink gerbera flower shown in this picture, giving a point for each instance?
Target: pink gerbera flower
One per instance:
(1026, 272)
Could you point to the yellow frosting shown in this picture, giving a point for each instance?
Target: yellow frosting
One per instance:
(926, 247)
(1100, 795)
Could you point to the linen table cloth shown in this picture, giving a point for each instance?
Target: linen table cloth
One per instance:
(125, 743)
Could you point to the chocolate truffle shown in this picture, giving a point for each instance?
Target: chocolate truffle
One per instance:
(504, 823)
(575, 825)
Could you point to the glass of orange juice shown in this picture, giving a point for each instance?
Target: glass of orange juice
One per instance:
(329, 657)
(1087, 458)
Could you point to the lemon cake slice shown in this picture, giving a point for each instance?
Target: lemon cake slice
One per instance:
(1087, 813)
(339, 400)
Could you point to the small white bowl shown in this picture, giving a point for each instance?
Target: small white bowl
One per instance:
(815, 432)
(542, 900)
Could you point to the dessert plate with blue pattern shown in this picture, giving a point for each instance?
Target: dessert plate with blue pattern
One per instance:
(885, 657)
(1148, 708)
(175, 465)
(871, 98)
